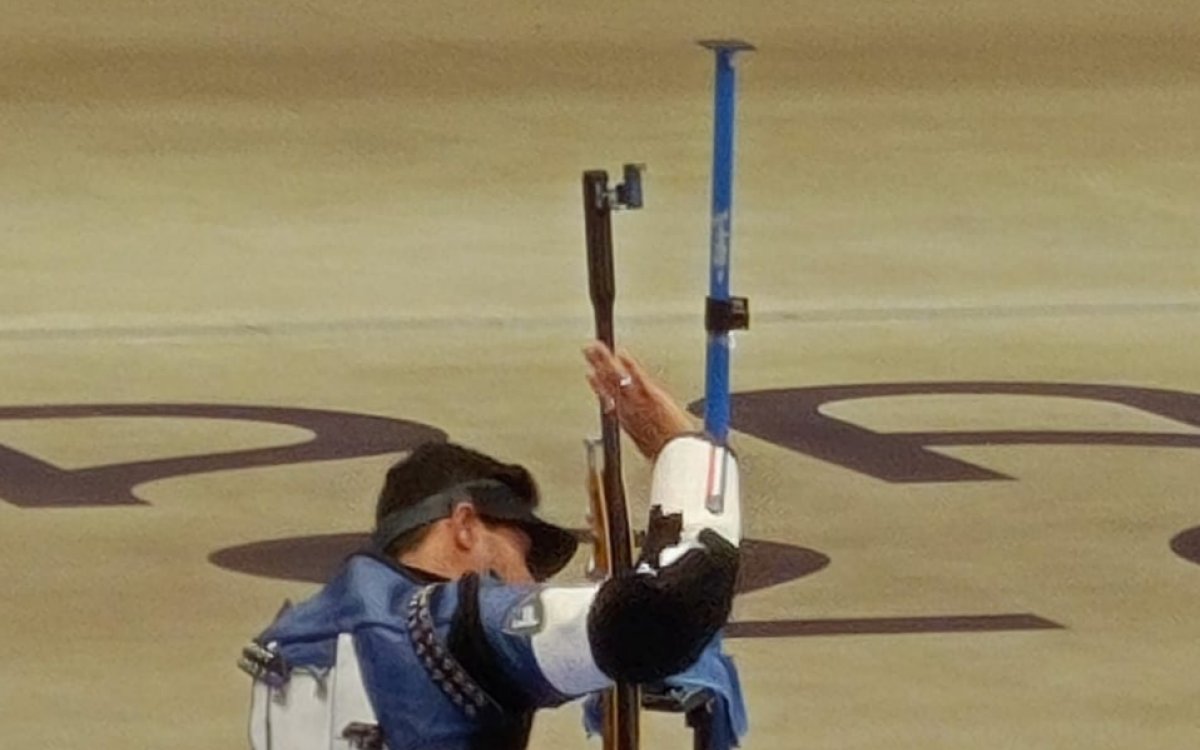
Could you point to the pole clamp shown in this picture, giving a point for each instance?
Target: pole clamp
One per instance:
(725, 315)
(627, 195)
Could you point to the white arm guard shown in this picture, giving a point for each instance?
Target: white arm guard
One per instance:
(697, 479)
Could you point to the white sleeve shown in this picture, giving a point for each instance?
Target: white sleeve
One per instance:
(561, 647)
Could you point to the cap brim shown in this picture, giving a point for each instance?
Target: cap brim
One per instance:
(551, 547)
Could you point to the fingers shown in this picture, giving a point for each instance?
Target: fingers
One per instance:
(620, 370)
(605, 366)
(647, 412)
(603, 392)
(671, 415)
(634, 368)
(609, 379)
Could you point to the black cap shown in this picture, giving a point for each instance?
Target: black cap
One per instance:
(552, 547)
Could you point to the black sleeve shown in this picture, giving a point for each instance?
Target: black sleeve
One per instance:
(468, 643)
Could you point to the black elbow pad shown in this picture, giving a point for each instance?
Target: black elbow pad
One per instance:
(648, 626)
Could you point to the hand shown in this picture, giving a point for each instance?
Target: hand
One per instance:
(647, 413)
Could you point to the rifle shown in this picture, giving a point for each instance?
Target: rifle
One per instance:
(613, 555)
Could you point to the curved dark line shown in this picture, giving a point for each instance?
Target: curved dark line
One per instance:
(334, 435)
(796, 418)
(888, 625)
(315, 558)
(316, 421)
(1163, 402)
(297, 417)
(983, 387)
(1053, 437)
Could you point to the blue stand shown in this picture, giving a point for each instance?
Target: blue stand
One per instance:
(724, 313)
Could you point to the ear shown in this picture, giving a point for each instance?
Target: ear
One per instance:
(464, 521)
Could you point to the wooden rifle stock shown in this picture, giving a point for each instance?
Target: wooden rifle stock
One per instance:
(601, 565)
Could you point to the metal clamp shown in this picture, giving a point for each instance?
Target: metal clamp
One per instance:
(724, 315)
(263, 663)
(363, 736)
(626, 195)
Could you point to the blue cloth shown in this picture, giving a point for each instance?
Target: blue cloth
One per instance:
(714, 671)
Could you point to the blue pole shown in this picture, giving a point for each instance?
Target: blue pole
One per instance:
(716, 387)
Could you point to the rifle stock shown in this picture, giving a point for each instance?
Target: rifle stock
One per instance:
(600, 566)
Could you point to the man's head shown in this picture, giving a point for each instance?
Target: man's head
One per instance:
(452, 510)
